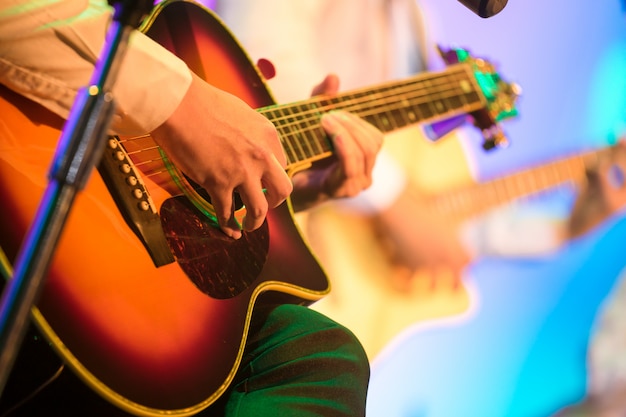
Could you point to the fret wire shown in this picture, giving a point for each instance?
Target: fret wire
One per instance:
(391, 106)
(441, 95)
(302, 149)
(553, 171)
(382, 106)
(314, 135)
(575, 167)
(396, 105)
(399, 105)
(293, 153)
(296, 137)
(304, 131)
(396, 90)
(384, 118)
(516, 185)
(460, 97)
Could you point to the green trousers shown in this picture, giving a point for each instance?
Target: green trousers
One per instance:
(297, 363)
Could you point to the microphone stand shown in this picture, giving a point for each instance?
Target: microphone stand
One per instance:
(80, 147)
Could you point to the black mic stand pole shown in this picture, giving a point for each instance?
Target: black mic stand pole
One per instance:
(80, 146)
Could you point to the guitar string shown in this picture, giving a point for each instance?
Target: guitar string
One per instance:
(471, 200)
(462, 202)
(413, 94)
(520, 184)
(390, 95)
(386, 100)
(394, 90)
(307, 123)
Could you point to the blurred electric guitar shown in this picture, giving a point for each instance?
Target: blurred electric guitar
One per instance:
(377, 296)
(146, 300)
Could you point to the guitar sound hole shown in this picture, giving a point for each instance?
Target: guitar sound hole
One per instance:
(218, 265)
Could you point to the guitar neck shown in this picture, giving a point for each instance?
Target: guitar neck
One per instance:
(464, 203)
(420, 99)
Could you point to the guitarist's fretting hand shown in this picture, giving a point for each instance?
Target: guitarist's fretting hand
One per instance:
(356, 144)
(602, 194)
(225, 146)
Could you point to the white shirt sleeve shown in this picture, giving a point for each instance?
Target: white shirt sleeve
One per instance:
(48, 50)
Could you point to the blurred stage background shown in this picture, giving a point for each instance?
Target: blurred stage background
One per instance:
(520, 351)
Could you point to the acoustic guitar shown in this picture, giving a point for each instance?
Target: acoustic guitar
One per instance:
(146, 300)
(378, 296)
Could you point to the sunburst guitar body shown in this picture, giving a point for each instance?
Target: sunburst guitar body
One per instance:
(146, 300)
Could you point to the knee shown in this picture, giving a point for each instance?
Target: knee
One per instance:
(330, 339)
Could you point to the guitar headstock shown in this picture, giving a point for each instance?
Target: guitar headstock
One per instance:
(500, 96)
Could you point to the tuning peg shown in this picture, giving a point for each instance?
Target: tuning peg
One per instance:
(494, 138)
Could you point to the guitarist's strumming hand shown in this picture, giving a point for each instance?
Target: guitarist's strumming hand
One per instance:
(420, 242)
(356, 144)
(225, 147)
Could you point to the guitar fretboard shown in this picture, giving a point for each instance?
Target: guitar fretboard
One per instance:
(423, 98)
(463, 203)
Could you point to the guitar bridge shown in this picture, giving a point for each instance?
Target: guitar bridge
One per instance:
(133, 201)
